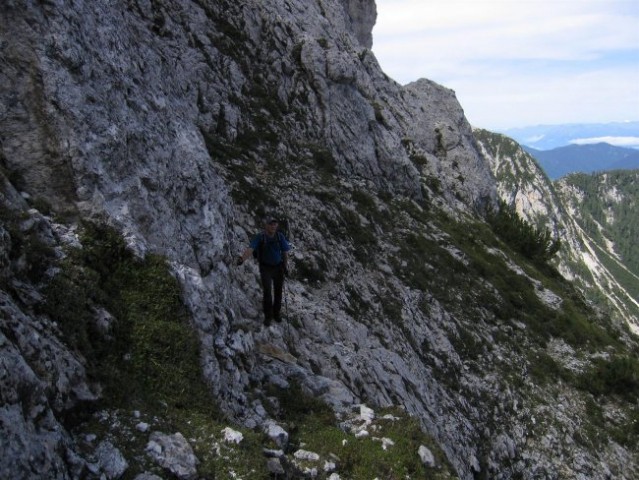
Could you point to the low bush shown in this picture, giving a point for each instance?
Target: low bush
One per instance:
(150, 355)
(314, 425)
(535, 244)
(617, 376)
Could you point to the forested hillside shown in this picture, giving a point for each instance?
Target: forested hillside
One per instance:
(592, 216)
(605, 207)
(585, 159)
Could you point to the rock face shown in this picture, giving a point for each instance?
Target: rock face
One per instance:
(40, 378)
(180, 123)
(362, 14)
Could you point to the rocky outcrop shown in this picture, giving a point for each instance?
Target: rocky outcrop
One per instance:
(173, 453)
(363, 15)
(40, 378)
(444, 137)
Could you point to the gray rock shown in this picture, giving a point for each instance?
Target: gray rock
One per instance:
(504, 447)
(29, 443)
(5, 247)
(274, 466)
(277, 434)
(38, 379)
(270, 453)
(166, 120)
(302, 454)
(174, 453)
(147, 476)
(142, 427)
(362, 15)
(110, 460)
(426, 456)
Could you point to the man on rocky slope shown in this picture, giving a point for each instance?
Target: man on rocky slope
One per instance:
(270, 247)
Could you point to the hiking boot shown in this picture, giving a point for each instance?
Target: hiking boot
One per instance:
(277, 318)
(267, 322)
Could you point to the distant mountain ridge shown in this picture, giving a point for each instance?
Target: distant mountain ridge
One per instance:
(546, 137)
(585, 159)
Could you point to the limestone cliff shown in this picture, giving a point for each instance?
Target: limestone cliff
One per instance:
(178, 124)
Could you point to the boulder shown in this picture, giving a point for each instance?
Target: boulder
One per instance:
(173, 453)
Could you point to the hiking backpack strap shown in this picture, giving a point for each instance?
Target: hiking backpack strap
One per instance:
(257, 253)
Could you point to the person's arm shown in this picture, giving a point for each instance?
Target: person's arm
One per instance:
(246, 254)
(253, 245)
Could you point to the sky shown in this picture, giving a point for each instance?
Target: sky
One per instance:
(516, 63)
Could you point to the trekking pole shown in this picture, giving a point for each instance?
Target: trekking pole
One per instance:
(285, 302)
(290, 237)
(288, 326)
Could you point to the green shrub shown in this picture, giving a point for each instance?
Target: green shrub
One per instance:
(628, 433)
(150, 355)
(68, 302)
(35, 255)
(466, 344)
(323, 160)
(546, 370)
(368, 207)
(392, 308)
(313, 423)
(533, 243)
(295, 405)
(362, 236)
(618, 376)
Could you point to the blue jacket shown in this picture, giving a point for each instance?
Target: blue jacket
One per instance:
(270, 250)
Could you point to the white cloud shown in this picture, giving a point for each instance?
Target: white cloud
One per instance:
(632, 142)
(514, 63)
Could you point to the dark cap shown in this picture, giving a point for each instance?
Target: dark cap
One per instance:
(270, 219)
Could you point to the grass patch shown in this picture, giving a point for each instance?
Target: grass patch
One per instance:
(151, 354)
(148, 357)
(467, 255)
(618, 376)
(314, 427)
(516, 296)
(546, 370)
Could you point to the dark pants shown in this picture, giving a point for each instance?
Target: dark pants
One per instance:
(272, 285)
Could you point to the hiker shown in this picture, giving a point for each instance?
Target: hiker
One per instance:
(270, 247)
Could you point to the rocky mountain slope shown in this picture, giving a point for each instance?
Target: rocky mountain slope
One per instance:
(141, 143)
(590, 214)
(604, 206)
